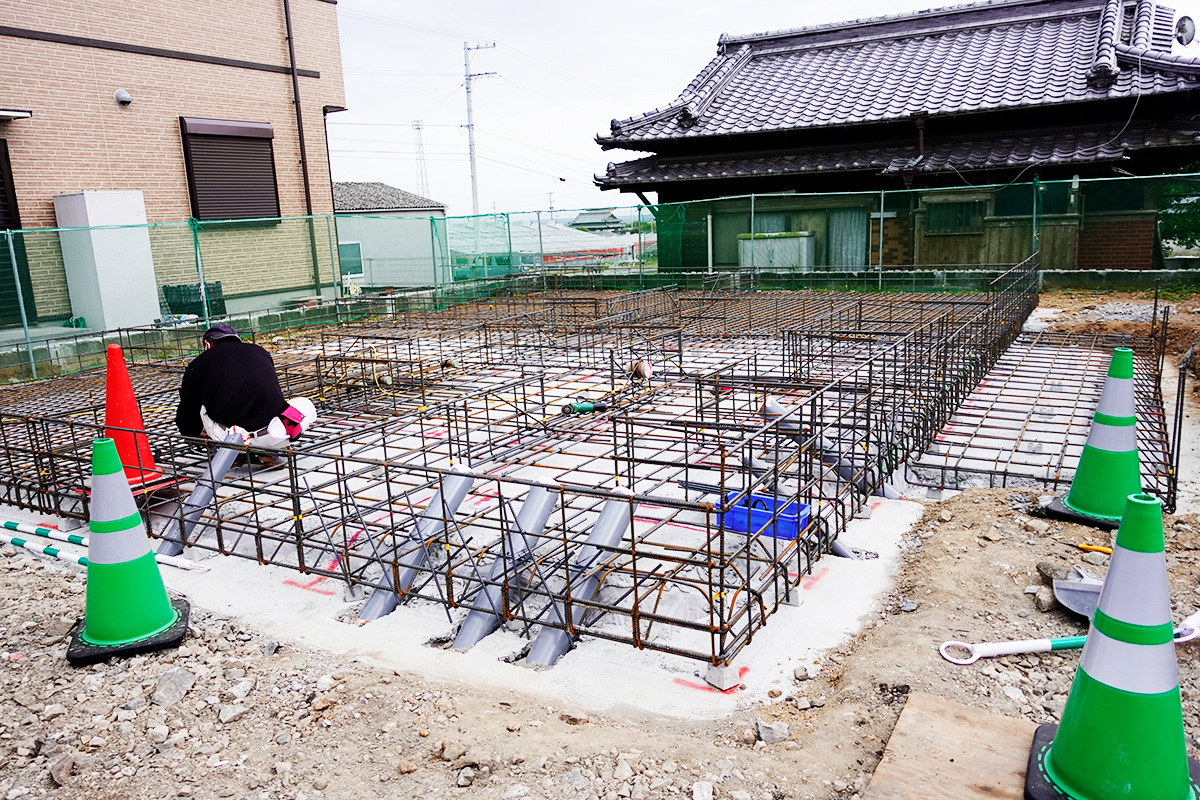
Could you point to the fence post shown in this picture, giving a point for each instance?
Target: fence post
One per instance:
(12, 257)
(194, 224)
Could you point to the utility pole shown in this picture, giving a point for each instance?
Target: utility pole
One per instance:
(422, 174)
(471, 116)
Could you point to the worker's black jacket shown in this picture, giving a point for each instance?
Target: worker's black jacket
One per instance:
(235, 382)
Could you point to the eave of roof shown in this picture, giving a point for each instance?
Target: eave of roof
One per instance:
(1075, 147)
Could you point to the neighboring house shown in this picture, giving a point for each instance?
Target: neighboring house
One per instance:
(158, 111)
(386, 237)
(381, 200)
(599, 220)
(988, 94)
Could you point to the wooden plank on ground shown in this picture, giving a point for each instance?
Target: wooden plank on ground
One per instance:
(940, 748)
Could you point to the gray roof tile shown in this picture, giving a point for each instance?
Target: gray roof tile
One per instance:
(351, 196)
(981, 57)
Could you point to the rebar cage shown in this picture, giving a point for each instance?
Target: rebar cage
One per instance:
(756, 426)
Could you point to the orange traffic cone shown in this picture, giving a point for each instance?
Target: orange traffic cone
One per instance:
(123, 424)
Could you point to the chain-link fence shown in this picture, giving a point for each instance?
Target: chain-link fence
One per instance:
(948, 239)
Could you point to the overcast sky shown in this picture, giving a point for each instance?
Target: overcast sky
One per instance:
(563, 70)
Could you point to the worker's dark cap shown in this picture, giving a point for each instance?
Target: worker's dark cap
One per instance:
(220, 331)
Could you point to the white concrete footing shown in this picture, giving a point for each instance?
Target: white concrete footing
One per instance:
(722, 678)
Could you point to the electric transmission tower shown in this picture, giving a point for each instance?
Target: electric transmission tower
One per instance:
(422, 174)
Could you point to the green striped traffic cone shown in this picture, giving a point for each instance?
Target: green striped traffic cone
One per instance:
(1108, 469)
(1122, 729)
(128, 610)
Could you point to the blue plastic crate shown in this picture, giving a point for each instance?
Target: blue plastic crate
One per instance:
(755, 510)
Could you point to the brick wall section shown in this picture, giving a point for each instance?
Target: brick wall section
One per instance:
(79, 139)
(897, 241)
(1116, 243)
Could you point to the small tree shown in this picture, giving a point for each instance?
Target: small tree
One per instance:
(1179, 211)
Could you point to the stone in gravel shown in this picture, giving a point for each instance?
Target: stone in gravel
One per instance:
(945, 516)
(908, 605)
(60, 765)
(772, 732)
(993, 535)
(1052, 572)
(325, 683)
(172, 686)
(134, 704)
(25, 699)
(242, 688)
(623, 772)
(157, 734)
(517, 790)
(54, 710)
(232, 713)
(1098, 559)
(466, 776)
(1036, 525)
(702, 790)
(452, 750)
(1044, 599)
(577, 781)
(406, 767)
(803, 704)
(321, 703)
(800, 674)
(573, 718)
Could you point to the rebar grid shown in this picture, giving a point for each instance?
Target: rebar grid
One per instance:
(408, 403)
(1026, 423)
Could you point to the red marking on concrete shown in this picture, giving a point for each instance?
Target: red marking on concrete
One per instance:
(809, 581)
(309, 586)
(875, 505)
(704, 687)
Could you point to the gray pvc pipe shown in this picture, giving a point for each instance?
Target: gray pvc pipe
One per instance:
(535, 511)
(200, 498)
(828, 452)
(553, 643)
(442, 506)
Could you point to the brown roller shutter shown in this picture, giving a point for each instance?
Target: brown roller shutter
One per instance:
(230, 177)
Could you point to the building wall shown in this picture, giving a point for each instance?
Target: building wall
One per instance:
(1117, 241)
(79, 138)
(897, 241)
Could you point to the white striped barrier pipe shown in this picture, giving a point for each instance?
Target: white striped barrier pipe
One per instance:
(44, 549)
(51, 533)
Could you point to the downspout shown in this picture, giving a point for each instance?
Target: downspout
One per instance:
(312, 235)
(333, 263)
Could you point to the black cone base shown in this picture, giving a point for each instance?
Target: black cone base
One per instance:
(1058, 509)
(1037, 782)
(81, 653)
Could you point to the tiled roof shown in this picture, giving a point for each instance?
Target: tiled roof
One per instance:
(944, 157)
(980, 57)
(360, 196)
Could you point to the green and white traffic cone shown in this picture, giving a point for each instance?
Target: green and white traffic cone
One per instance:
(128, 611)
(1108, 470)
(1121, 734)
